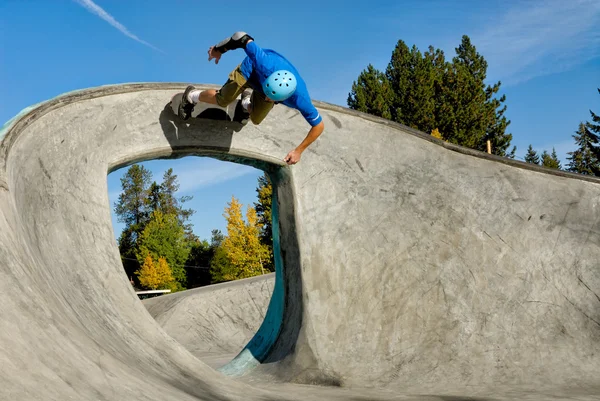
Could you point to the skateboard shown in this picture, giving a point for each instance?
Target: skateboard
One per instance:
(233, 112)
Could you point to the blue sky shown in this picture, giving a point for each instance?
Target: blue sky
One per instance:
(546, 54)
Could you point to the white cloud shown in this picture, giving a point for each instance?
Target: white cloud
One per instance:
(534, 38)
(200, 173)
(95, 9)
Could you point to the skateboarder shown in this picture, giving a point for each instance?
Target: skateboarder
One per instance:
(272, 78)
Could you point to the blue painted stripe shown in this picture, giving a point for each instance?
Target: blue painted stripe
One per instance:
(262, 342)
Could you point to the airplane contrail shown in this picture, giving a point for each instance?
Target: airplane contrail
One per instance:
(96, 9)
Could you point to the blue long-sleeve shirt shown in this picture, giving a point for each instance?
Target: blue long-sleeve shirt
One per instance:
(260, 63)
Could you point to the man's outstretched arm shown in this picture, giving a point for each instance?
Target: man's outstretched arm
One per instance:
(294, 156)
(237, 41)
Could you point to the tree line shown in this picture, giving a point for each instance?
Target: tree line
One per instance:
(159, 249)
(450, 100)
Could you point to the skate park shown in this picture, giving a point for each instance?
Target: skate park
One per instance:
(407, 268)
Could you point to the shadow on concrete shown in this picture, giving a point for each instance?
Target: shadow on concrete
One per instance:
(198, 136)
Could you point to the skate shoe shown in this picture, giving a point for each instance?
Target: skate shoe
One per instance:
(186, 107)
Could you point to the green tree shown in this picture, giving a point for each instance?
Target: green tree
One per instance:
(371, 93)
(132, 209)
(426, 92)
(154, 197)
(221, 268)
(216, 239)
(163, 197)
(164, 236)
(478, 119)
(532, 156)
(551, 160)
(263, 212)
(127, 249)
(132, 206)
(198, 263)
(243, 253)
(585, 159)
(172, 204)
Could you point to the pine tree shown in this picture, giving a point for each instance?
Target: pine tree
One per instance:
(263, 212)
(400, 75)
(198, 263)
(532, 156)
(478, 119)
(551, 160)
(163, 197)
(221, 268)
(585, 159)
(371, 93)
(426, 92)
(132, 206)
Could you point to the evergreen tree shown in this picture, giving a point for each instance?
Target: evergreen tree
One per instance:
(198, 263)
(132, 209)
(426, 92)
(263, 212)
(594, 126)
(164, 236)
(532, 156)
(221, 268)
(127, 250)
(163, 197)
(170, 203)
(478, 119)
(585, 159)
(154, 197)
(132, 206)
(551, 160)
(216, 239)
(371, 93)
(400, 74)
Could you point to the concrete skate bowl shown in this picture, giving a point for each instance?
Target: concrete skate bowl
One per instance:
(409, 268)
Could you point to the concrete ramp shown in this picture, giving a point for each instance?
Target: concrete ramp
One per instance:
(215, 322)
(407, 268)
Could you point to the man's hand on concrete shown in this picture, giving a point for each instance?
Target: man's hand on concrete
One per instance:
(293, 157)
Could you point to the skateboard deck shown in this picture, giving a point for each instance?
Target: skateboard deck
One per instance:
(233, 112)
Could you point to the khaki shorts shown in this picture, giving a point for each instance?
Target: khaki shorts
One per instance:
(234, 86)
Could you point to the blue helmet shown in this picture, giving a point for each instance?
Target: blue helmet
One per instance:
(280, 85)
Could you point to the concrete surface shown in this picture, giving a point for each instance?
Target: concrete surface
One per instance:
(215, 322)
(410, 269)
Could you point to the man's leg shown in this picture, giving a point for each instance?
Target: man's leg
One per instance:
(259, 107)
(235, 84)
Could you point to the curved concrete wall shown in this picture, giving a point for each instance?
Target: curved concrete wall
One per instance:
(408, 263)
(215, 322)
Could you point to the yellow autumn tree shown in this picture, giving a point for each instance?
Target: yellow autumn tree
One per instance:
(436, 134)
(155, 276)
(241, 253)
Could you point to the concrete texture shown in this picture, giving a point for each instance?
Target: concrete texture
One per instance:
(215, 322)
(410, 269)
